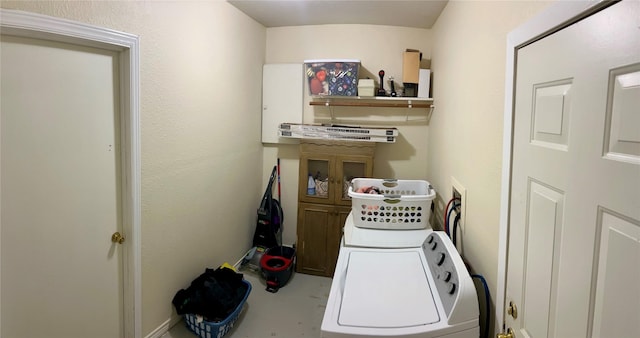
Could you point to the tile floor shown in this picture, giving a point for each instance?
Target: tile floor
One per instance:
(295, 311)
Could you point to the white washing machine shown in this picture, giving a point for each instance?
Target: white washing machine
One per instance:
(400, 283)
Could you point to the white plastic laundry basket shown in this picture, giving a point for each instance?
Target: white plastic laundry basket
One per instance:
(397, 204)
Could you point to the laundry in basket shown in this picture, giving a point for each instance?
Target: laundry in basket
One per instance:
(213, 301)
(390, 203)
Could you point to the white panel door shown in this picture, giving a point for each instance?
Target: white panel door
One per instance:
(60, 195)
(574, 236)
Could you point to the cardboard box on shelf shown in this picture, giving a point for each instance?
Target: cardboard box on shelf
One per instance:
(411, 66)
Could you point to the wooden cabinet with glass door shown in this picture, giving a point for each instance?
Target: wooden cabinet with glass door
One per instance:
(329, 166)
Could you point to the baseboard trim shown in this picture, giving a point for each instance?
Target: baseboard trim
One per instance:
(238, 263)
(164, 327)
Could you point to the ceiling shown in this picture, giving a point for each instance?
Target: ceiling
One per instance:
(275, 13)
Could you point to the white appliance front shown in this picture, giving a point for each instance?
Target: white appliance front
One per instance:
(419, 290)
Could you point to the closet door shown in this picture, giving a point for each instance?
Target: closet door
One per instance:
(62, 276)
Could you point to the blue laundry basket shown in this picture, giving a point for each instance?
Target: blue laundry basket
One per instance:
(205, 329)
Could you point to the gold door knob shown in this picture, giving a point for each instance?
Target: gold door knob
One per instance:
(509, 334)
(117, 238)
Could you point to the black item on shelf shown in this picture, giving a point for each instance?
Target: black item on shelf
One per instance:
(410, 90)
(393, 88)
(215, 294)
(381, 91)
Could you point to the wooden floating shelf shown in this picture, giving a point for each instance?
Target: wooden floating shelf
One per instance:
(361, 101)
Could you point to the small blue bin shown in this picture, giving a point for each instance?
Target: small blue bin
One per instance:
(205, 329)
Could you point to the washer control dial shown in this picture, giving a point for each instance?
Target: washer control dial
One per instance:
(447, 276)
(440, 259)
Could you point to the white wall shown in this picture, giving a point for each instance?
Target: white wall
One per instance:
(377, 47)
(465, 135)
(200, 126)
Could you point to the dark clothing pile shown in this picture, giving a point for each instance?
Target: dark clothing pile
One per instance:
(214, 295)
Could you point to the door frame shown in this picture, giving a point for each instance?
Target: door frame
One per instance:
(31, 25)
(556, 17)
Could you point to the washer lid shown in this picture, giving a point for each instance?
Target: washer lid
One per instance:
(386, 290)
